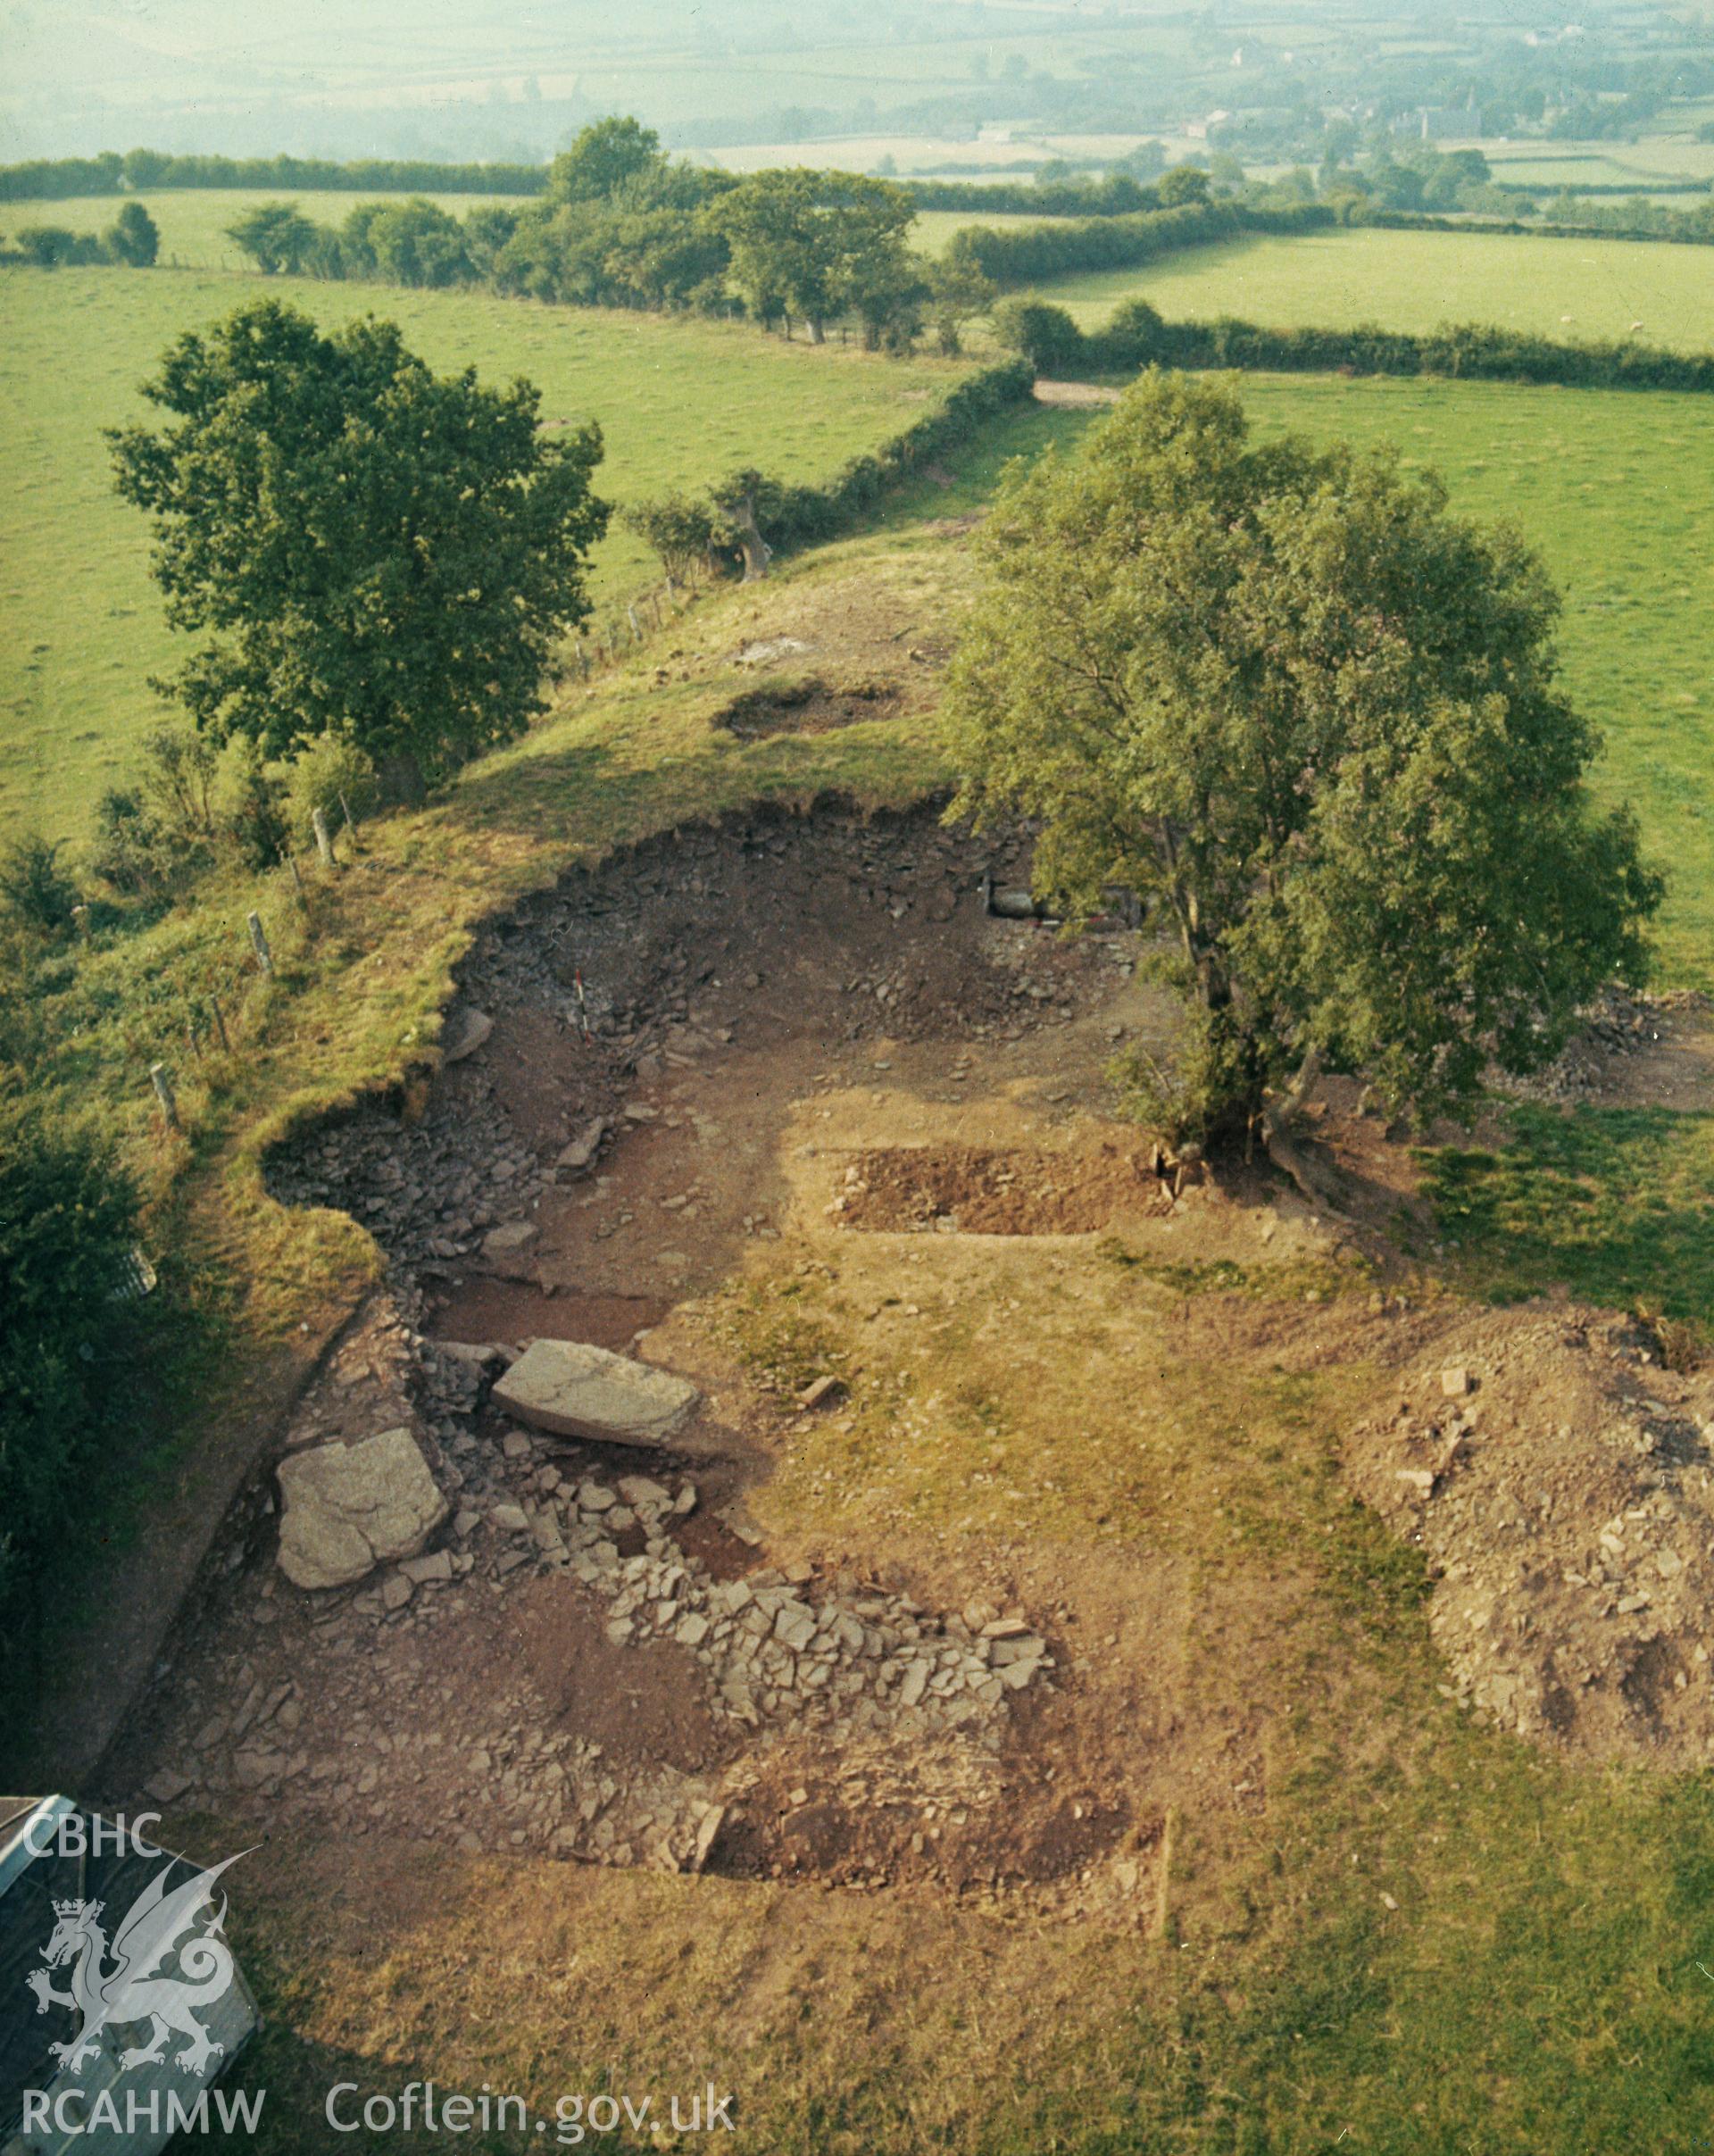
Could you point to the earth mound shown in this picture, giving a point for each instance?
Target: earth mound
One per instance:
(1560, 1483)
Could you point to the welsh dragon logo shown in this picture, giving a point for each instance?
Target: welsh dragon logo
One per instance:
(134, 1988)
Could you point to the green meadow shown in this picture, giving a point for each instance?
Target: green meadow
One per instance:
(1610, 485)
(680, 403)
(1583, 289)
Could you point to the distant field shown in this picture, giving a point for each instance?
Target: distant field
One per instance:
(681, 402)
(193, 221)
(934, 228)
(1603, 165)
(1612, 488)
(1414, 280)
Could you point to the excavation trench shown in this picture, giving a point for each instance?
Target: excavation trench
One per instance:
(676, 1062)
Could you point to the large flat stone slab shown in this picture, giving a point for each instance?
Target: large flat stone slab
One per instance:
(572, 1390)
(351, 1506)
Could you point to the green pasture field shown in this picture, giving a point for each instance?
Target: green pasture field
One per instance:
(1612, 486)
(1640, 164)
(193, 221)
(934, 228)
(1584, 289)
(681, 402)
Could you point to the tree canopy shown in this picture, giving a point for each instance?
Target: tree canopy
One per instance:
(276, 237)
(365, 546)
(809, 244)
(1313, 721)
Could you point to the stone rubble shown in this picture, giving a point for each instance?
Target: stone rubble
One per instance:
(784, 1661)
(1561, 1485)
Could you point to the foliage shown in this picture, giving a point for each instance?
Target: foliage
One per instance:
(1136, 336)
(1044, 337)
(54, 178)
(406, 243)
(1313, 721)
(957, 291)
(792, 517)
(53, 247)
(131, 852)
(1027, 255)
(813, 243)
(257, 817)
(178, 772)
(135, 239)
(333, 775)
(1117, 194)
(276, 237)
(80, 623)
(678, 528)
(34, 887)
(68, 1224)
(605, 155)
(367, 546)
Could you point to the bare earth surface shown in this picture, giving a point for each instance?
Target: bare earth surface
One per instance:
(795, 1051)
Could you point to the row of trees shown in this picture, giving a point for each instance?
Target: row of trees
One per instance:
(1011, 256)
(1136, 336)
(54, 178)
(621, 224)
(754, 516)
(132, 240)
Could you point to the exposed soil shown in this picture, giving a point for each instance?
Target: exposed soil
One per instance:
(725, 1052)
(645, 1704)
(483, 1309)
(962, 1190)
(686, 1050)
(811, 706)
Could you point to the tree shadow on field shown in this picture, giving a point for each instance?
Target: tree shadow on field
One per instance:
(1615, 1203)
(603, 793)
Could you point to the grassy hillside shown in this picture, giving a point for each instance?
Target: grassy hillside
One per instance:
(1429, 1935)
(681, 402)
(1414, 280)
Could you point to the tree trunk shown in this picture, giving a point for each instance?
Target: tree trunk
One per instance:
(818, 333)
(755, 548)
(1316, 1180)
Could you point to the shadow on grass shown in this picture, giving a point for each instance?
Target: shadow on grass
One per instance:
(1615, 1203)
(640, 780)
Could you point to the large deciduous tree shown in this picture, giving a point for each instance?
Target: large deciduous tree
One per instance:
(812, 244)
(363, 545)
(1313, 719)
(276, 235)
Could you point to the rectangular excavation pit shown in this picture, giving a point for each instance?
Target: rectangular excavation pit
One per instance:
(973, 1191)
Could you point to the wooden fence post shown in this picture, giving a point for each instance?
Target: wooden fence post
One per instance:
(323, 837)
(163, 1086)
(258, 937)
(219, 1026)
